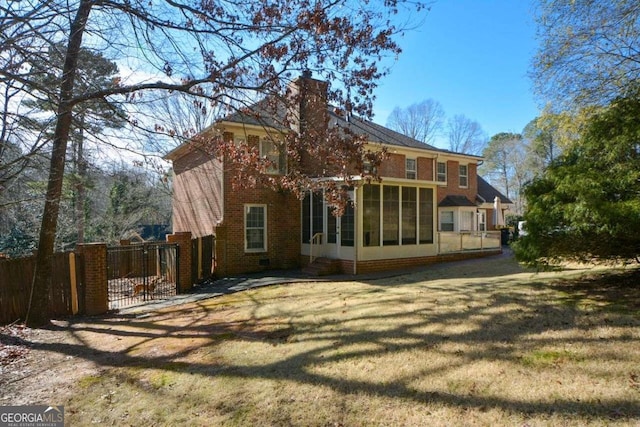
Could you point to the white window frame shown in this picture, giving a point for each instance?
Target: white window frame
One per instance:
(247, 209)
(465, 176)
(368, 167)
(482, 220)
(453, 220)
(273, 155)
(237, 139)
(466, 219)
(441, 176)
(411, 173)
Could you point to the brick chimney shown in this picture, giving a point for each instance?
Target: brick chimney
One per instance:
(309, 111)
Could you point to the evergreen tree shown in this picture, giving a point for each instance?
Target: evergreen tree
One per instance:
(587, 204)
(94, 72)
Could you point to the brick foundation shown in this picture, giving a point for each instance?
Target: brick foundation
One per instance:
(375, 266)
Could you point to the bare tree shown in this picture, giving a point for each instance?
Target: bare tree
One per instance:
(505, 165)
(465, 135)
(589, 52)
(183, 117)
(421, 121)
(230, 53)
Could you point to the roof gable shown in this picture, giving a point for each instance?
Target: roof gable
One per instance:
(488, 192)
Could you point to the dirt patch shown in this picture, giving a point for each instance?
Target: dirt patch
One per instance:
(32, 371)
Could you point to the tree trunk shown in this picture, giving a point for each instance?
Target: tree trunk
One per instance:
(81, 176)
(38, 312)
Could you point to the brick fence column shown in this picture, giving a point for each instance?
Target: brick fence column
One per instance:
(183, 239)
(94, 256)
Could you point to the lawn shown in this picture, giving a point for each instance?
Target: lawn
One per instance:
(472, 343)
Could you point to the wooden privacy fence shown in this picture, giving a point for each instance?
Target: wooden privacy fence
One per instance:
(203, 251)
(66, 293)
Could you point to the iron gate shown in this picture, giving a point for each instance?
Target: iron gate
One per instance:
(141, 272)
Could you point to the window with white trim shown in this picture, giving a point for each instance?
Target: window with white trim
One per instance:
(425, 215)
(466, 220)
(482, 220)
(442, 172)
(409, 215)
(464, 176)
(274, 153)
(369, 168)
(390, 214)
(446, 221)
(411, 169)
(371, 214)
(255, 228)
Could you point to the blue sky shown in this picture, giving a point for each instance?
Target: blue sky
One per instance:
(472, 56)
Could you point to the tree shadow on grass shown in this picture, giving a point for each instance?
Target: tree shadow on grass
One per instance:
(617, 291)
(506, 321)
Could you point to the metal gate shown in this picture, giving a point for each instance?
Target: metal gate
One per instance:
(141, 272)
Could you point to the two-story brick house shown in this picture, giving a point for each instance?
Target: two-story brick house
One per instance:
(430, 205)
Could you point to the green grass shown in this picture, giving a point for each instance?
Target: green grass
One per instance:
(546, 358)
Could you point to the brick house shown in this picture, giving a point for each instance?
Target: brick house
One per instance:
(430, 205)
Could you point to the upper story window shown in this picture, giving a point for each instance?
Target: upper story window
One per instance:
(411, 169)
(442, 172)
(274, 153)
(270, 150)
(369, 168)
(464, 176)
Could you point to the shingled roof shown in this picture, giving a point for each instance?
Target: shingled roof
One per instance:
(453, 200)
(261, 115)
(488, 193)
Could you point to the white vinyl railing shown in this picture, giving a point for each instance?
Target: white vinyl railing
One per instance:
(315, 240)
(468, 241)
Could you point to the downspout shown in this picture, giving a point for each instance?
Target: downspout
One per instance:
(355, 230)
(436, 220)
(434, 170)
(221, 220)
(222, 182)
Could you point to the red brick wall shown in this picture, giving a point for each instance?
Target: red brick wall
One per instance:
(425, 169)
(453, 182)
(283, 230)
(393, 167)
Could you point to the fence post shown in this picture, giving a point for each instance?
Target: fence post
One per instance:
(95, 277)
(74, 282)
(183, 239)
